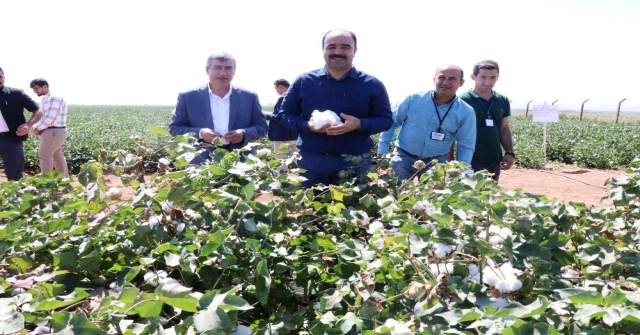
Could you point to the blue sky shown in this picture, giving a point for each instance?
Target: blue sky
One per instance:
(145, 52)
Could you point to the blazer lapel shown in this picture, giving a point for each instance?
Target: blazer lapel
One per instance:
(234, 105)
(206, 107)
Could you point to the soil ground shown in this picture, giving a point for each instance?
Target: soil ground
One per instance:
(566, 183)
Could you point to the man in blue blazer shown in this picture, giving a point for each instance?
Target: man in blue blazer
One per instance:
(219, 110)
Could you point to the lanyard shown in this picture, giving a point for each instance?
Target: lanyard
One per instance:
(485, 106)
(433, 98)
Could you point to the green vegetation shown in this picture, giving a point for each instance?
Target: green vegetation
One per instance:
(570, 141)
(236, 246)
(588, 143)
(95, 128)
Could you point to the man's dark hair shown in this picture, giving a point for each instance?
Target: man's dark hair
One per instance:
(38, 82)
(282, 82)
(355, 40)
(1, 70)
(486, 64)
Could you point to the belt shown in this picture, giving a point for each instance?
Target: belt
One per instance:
(424, 159)
(5, 134)
(57, 127)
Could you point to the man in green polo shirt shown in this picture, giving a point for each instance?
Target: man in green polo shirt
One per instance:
(492, 119)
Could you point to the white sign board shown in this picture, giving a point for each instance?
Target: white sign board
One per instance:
(545, 113)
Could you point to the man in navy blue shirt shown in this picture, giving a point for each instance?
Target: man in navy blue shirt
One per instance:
(359, 99)
(279, 134)
(14, 127)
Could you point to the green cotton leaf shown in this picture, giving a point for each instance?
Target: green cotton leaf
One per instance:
(186, 303)
(452, 317)
(178, 195)
(581, 296)
(248, 191)
(172, 259)
(127, 298)
(62, 301)
(11, 321)
(460, 213)
(331, 301)
(326, 243)
(555, 240)
(588, 311)
(127, 275)
(349, 321)
(441, 218)
(336, 194)
(528, 328)
(633, 297)
(262, 281)
(519, 311)
(8, 214)
(212, 319)
(157, 131)
(533, 250)
(216, 239)
(613, 315)
(416, 244)
(367, 201)
(173, 290)
(149, 306)
(81, 325)
(499, 209)
(234, 303)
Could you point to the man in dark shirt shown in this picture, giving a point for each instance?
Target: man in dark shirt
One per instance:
(359, 99)
(14, 127)
(492, 116)
(279, 134)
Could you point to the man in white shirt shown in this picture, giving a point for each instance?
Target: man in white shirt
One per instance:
(219, 110)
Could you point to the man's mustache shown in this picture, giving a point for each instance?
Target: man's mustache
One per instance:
(338, 57)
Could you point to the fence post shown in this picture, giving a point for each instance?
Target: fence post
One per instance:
(582, 109)
(527, 113)
(618, 114)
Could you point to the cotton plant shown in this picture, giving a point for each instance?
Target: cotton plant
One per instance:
(503, 278)
(320, 119)
(497, 235)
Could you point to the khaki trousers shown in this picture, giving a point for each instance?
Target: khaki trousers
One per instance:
(50, 151)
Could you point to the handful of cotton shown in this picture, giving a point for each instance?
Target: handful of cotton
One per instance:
(319, 119)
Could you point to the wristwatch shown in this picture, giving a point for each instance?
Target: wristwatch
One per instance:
(511, 153)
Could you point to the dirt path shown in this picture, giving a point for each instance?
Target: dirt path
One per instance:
(564, 183)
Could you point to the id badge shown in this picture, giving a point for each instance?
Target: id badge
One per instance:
(436, 136)
(489, 122)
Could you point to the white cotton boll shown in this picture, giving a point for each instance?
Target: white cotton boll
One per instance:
(41, 330)
(164, 161)
(502, 286)
(489, 277)
(496, 239)
(439, 268)
(418, 206)
(494, 230)
(440, 250)
(505, 232)
(180, 227)
(374, 226)
(514, 284)
(319, 119)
